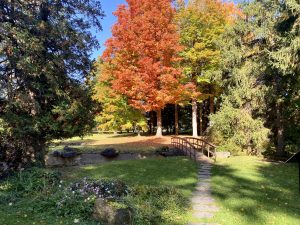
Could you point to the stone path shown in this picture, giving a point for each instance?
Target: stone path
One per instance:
(203, 204)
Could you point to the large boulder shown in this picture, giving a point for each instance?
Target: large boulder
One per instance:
(110, 153)
(112, 213)
(66, 153)
(223, 154)
(169, 152)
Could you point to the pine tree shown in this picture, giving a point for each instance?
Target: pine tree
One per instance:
(284, 58)
(45, 48)
(266, 43)
(239, 124)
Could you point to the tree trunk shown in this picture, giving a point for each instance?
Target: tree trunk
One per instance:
(138, 132)
(39, 147)
(159, 124)
(176, 120)
(280, 129)
(194, 117)
(211, 105)
(201, 119)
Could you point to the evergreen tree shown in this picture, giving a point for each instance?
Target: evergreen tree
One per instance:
(239, 125)
(284, 58)
(266, 44)
(45, 48)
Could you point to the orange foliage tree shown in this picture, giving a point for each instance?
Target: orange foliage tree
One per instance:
(143, 52)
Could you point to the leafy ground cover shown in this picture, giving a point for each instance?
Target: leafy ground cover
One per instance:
(160, 189)
(251, 191)
(121, 142)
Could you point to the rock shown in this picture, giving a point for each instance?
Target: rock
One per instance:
(110, 153)
(68, 154)
(223, 154)
(52, 161)
(105, 211)
(56, 154)
(170, 152)
(68, 149)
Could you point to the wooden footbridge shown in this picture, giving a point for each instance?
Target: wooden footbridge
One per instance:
(194, 147)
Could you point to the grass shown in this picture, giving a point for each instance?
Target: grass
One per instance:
(248, 191)
(251, 191)
(122, 142)
(177, 172)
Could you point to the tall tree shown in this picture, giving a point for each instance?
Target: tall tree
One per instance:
(116, 113)
(45, 48)
(143, 51)
(284, 58)
(266, 43)
(201, 23)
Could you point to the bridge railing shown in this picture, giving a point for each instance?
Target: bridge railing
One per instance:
(184, 145)
(203, 146)
(191, 145)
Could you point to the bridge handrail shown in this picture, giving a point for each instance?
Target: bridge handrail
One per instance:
(184, 146)
(202, 145)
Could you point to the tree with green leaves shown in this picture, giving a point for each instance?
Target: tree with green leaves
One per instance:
(201, 23)
(116, 113)
(45, 48)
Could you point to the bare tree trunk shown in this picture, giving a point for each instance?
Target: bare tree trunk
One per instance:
(279, 126)
(201, 120)
(159, 124)
(194, 117)
(176, 120)
(39, 147)
(151, 123)
(211, 105)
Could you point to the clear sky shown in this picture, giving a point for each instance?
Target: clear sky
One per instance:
(109, 6)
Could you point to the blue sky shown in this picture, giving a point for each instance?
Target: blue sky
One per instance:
(109, 6)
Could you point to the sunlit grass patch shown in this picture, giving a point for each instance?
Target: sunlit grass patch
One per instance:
(251, 191)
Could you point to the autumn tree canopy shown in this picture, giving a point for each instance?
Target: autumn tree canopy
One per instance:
(143, 52)
(201, 23)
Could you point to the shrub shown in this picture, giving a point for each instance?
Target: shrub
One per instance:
(235, 130)
(33, 180)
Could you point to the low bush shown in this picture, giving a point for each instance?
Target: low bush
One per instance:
(32, 180)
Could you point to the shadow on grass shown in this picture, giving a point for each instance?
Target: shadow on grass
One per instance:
(257, 193)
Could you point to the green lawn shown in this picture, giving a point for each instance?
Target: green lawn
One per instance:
(247, 190)
(250, 191)
(177, 172)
